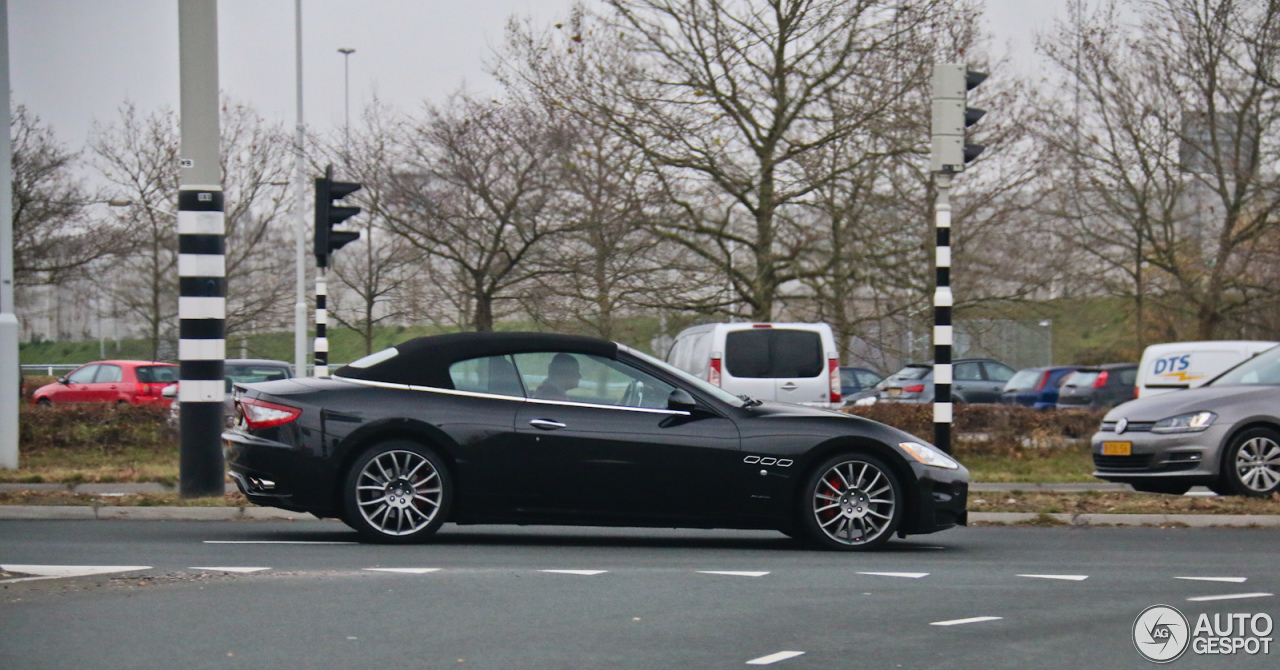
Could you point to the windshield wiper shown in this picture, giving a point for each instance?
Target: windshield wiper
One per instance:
(748, 401)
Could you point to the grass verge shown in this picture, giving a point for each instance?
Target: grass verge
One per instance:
(1098, 502)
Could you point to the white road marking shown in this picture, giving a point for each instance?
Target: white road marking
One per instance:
(958, 622)
(1069, 578)
(271, 542)
(229, 569)
(733, 573)
(576, 572)
(774, 658)
(1233, 596)
(407, 571)
(61, 571)
(1231, 580)
(906, 575)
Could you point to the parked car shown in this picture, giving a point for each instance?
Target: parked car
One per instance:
(236, 371)
(1224, 435)
(534, 428)
(1182, 365)
(786, 362)
(1100, 386)
(121, 382)
(858, 383)
(976, 380)
(1036, 387)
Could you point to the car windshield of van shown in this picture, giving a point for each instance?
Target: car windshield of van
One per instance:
(704, 386)
(773, 353)
(1261, 369)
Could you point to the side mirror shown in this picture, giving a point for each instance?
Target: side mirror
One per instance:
(681, 401)
(62, 380)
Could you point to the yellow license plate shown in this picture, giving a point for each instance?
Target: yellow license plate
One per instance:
(1117, 448)
(895, 391)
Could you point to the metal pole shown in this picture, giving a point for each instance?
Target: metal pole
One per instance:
(942, 333)
(202, 303)
(346, 101)
(322, 320)
(300, 222)
(9, 367)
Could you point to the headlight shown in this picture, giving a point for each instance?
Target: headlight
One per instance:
(929, 455)
(1185, 423)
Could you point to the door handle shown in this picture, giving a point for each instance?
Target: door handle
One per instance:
(789, 386)
(546, 424)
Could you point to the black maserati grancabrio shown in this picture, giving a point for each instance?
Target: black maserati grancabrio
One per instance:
(534, 428)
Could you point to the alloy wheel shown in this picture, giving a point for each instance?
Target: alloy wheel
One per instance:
(399, 492)
(1258, 464)
(854, 503)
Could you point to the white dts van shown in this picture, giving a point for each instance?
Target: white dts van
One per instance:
(1182, 365)
(786, 362)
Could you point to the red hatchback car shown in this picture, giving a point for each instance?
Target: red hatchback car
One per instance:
(132, 382)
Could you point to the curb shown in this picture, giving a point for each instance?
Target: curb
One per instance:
(109, 513)
(1086, 520)
(158, 513)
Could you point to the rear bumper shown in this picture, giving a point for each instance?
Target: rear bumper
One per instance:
(273, 474)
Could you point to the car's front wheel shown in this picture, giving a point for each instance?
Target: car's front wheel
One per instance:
(44, 402)
(397, 492)
(851, 502)
(1252, 463)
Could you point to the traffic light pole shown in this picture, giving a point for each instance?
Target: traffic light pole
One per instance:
(942, 302)
(202, 303)
(322, 321)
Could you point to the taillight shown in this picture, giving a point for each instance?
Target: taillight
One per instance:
(713, 374)
(144, 389)
(1044, 379)
(262, 414)
(914, 388)
(833, 368)
(1101, 380)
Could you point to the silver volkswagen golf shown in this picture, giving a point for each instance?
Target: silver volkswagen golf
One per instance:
(1224, 435)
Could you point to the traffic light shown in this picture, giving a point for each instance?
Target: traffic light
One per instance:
(329, 214)
(951, 81)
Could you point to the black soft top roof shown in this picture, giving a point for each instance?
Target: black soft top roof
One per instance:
(425, 361)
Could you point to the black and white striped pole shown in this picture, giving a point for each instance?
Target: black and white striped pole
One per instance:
(202, 302)
(328, 240)
(951, 83)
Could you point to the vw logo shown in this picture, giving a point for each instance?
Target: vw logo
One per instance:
(1121, 425)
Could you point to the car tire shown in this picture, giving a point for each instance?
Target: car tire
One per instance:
(397, 492)
(44, 402)
(851, 502)
(1251, 464)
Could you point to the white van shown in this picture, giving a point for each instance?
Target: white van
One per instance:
(786, 362)
(1183, 365)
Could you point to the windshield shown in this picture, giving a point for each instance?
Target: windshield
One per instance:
(1261, 369)
(911, 372)
(708, 388)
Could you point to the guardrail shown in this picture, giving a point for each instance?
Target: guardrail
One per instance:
(49, 369)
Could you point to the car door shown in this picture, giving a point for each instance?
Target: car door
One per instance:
(996, 376)
(78, 387)
(967, 383)
(619, 454)
(106, 384)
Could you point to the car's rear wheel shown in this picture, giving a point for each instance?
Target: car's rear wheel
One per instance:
(397, 492)
(852, 502)
(1251, 466)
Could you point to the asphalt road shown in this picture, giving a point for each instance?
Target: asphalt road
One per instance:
(537, 597)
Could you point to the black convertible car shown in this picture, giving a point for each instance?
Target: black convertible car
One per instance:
(534, 428)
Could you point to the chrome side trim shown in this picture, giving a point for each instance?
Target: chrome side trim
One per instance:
(493, 396)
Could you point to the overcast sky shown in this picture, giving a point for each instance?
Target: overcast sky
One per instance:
(76, 61)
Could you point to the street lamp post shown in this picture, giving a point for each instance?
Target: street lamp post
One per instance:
(346, 101)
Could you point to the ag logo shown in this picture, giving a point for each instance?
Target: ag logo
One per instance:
(1161, 634)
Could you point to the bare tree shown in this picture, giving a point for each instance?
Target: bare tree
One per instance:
(1164, 157)
(371, 279)
(54, 234)
(728, 102)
